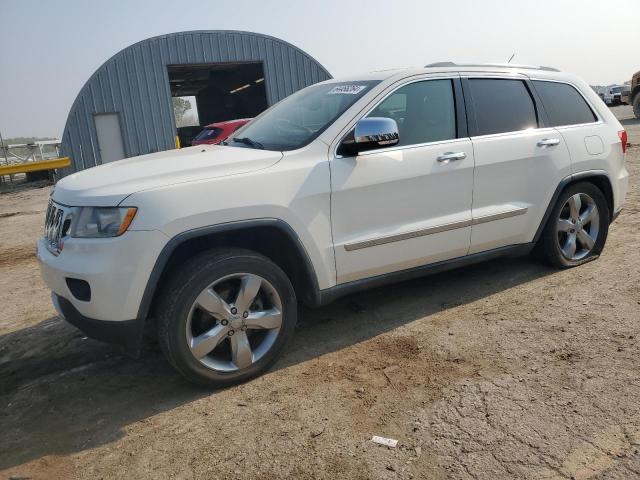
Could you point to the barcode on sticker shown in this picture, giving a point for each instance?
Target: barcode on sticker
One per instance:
(389, 442)
(347, 89)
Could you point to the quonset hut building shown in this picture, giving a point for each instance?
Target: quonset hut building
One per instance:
(125, 108)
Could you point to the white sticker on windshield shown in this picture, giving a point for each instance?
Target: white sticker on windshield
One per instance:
(347, 89)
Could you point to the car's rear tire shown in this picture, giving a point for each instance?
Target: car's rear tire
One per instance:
(225, 316)
(577, 228)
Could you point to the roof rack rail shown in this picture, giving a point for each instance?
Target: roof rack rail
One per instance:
(499, 65)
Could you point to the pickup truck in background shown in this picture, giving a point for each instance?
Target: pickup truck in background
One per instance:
(615, 94)
(621, 94)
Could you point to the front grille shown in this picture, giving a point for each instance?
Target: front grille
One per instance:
(56, 226)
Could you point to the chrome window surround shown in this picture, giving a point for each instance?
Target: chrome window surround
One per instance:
(462, 74)
(497, 76)
(524, 77)
(594, 110)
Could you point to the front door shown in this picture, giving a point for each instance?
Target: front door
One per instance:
(410, 204)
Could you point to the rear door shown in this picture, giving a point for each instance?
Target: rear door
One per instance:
(519, 160)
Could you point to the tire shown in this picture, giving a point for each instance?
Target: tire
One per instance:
(636, 105)
(190, 319)
(556, 246)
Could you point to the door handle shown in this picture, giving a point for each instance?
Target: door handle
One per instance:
(549, 142)
(451, 157)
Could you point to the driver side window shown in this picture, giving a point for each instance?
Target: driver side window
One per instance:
(424, 111)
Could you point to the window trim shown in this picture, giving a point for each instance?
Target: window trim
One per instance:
(594, 111)
(541, 116)
(462, 128)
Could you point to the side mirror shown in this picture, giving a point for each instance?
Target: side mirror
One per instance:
(369, 134)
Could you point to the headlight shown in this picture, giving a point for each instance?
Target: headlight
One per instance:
(100, 222)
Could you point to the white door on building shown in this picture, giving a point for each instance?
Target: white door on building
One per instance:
(109, 137)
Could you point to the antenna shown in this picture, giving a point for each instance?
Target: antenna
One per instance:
(511, 58)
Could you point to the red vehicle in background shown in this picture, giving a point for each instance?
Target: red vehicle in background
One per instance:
(217, 132)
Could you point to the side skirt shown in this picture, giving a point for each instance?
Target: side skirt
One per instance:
(330, 294)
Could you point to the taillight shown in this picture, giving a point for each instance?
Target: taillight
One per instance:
(623, 138)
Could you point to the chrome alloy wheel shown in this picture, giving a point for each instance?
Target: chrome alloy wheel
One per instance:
(234, 322)
(578, 226)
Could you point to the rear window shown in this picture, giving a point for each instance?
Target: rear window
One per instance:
(502, 106)
(208, 133)
(564, 104)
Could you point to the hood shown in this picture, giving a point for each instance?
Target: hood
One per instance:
(109, 184)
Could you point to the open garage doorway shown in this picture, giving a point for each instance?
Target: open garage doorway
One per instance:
(220, 91)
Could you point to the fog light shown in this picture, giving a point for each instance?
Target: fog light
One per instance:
(79, 289)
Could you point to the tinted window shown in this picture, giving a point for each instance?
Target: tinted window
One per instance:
(563, 104)
(502, 106)
(424, 111)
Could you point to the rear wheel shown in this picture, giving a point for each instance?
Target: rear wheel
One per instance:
(577, 228)
(636, 105)
(226, 317)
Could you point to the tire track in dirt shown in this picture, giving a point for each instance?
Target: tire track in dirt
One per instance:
(11, 257)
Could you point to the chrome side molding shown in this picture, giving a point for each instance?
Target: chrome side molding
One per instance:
(431, 230)
(500, 216)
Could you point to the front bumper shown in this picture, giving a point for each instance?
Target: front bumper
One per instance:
(116, 269)
(126, 334)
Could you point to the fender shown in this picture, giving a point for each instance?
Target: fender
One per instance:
(561, 186)
(169, 248)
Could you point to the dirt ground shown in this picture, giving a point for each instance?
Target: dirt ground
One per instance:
(507, 369)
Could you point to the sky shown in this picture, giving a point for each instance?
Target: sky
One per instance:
(49, 48)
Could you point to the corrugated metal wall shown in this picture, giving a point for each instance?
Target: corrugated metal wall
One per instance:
(134, 83)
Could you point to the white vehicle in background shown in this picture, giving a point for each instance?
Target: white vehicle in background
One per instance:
(614, 94)
(344, 185)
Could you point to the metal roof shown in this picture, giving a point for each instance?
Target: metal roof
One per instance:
(134, 83)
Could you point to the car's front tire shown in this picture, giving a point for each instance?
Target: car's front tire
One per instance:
(577, 228)
(225, 316)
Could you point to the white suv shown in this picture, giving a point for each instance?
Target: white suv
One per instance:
(342, 186)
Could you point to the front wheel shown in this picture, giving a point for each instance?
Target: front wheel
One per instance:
(577, 228)
(636, 105)
(226, 317)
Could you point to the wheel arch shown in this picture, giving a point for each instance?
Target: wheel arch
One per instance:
(273, 238)
(599, 178)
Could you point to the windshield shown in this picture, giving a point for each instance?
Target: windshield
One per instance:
(300, 118)
(208, 133)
